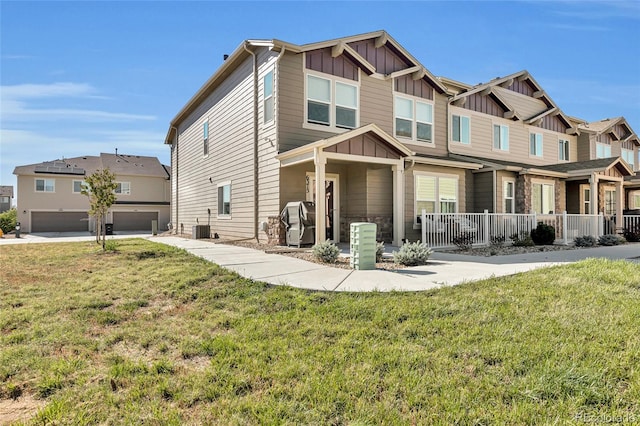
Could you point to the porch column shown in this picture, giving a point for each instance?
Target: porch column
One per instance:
(321, 204)
(619, 207)
(595, 202)
(398, 203)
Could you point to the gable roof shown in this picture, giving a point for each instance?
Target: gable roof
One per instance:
(340, 46)
(606, 125)
(119, 164)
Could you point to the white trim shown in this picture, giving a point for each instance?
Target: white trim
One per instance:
(335, 178)
(205, 140)
(531, 154)
(543, 182)
(568, 142)
(73, 186)
(267, 124)
(44, 185)
(121, 185)
(505, 181)
(438, 176)
(583, 200)
(332, 101)
(218, 214)
(493, 145)
(360, 158)
(414, 120)
(451, 129)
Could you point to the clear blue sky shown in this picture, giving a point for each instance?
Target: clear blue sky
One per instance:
(80, 78)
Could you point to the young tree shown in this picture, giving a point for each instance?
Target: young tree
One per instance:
(100, 188)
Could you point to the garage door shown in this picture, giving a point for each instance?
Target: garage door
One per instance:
(59, 222)
(133, 221)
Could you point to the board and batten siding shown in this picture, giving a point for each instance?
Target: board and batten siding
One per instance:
(481, 136)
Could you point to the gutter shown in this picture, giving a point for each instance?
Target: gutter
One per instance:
(255, 140)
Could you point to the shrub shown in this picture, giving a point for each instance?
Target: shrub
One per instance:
(497, 241)
(632, 234)
(611, 240)
(8, 220)
(326, 252)
(412, 254)
(463, 241)
(111, 245)
(585, 241)
(522, 240)
(543, 234)
(379, 251)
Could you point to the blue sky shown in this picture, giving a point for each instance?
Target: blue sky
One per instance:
(80, 78)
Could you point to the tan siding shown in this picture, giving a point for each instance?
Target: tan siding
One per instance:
(379, 192)
(584, 147)
(439, 147)
(501, 178)
(526, 106)
(376, 100)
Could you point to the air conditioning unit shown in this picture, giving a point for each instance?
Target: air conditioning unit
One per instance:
(200, 231)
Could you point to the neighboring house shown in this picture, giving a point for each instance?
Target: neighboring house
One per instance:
(6, 198)
(361, 124)
(50, 199)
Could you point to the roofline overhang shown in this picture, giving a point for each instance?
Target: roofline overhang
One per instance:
(444, 162)
(542, 172)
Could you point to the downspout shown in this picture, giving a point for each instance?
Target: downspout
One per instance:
(255, 140)
(175, 222)
(277, 100)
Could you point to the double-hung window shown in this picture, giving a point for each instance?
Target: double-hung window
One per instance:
(332, 103)
(508, 191)
(543, 198)
(123, 188)
(535, 144)
(268, 97)
(460, 129)
(205, 138)
(603, 150)
(413, 119)
(501, 137)
(77, 186)
(628, 156)
(563, 150)
(45, 185)
(435, 194)
(610, 202)
(224, 199)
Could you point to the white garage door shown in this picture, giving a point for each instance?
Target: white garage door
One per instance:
(59, 221)
(133, 221)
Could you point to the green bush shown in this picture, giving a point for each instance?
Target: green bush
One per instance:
(379, 251)
(632, 234)
(8, 220)
(522, 240)
(611, 240)
(543, 234)
(326, 252)
(412, 254)
(111, 245)
(585, 241)
(463, 241)
(497, 241)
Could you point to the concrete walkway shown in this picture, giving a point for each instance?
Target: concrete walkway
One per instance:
(443, 268)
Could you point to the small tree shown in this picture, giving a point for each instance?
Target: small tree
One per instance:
(100, 188)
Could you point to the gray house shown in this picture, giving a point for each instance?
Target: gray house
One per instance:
(6, 198)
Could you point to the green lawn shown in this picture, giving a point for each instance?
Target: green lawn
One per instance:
(152, 334)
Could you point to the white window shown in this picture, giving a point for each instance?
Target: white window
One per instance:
(77, 186)
(460, 129)
(563, 150)
(509, 198)
(628, 156)
(543, 198)
(636, 201)
(224, 199)
(268, 97)
(535, 144)
(603, 150)
(45, 185)
(123, 188)
(501, 137)
(4, 200)
(610, 202)
(205, 138)
(332, 103)
(586, 199)
(435, 194)
(414, 119)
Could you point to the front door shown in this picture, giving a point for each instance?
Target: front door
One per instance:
(332, 207)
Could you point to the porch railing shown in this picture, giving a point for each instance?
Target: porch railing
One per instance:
(440, 229)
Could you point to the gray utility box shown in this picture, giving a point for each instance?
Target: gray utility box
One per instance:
(363, 245)
(200, 231)
(299, 219)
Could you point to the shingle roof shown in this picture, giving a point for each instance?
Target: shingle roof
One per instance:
(600, 163)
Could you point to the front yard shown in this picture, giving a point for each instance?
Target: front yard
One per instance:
(153, 335)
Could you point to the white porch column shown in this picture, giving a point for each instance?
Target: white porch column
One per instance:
(594, 194)
(321, 203)
(619, 206)
(398, 202)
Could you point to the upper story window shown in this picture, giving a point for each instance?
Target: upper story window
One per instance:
(268, 97)
(332, 103)
(535, 144)
(45, 185)
(224, 199)
(77, 186)
(603, 150)
(413, 119)
(205, 138)
(628, 156)
(460, 129)
(123, 188)
(563, 150)
(501, 137)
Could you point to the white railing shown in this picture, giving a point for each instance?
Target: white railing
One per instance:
(440, 229)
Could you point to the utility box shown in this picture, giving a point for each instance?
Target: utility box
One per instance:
(299, 219)
(200, 231)
(154, 227)
(363, 245)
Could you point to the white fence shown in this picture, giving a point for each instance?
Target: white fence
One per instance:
(439, 230)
